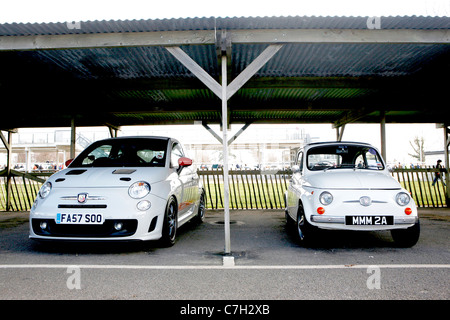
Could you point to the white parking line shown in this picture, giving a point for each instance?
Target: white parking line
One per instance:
(225, 267)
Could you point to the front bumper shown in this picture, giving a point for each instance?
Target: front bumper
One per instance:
(115, 209)
(339, 223)
(341, 219)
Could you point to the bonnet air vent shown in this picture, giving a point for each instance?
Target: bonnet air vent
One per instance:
(123, 171)
(75, 172)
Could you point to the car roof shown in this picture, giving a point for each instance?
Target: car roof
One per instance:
(139, 137)
(337, 142)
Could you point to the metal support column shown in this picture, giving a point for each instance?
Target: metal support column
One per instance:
(225, 92)
(340, 132)
(8, 146)
(383, 134)
(73, 136)
(447, 166)
(226, 186)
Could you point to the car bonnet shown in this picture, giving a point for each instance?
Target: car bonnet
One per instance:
(351, 179)
(106, 177)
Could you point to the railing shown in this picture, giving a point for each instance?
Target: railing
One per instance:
(419, 182)
(23, 188)
(249, 189)
(257, 189)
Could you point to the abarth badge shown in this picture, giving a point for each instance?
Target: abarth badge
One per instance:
(82, 197)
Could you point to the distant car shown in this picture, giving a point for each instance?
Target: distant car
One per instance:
(127, 188)
(347, 186)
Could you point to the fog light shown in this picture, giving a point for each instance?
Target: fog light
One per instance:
(408, 211)
(43, 225)
(320, 210)
(144, 205)
(118, 226)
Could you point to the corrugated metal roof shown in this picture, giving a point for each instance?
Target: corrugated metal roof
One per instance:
(211, 23)
(139, 85)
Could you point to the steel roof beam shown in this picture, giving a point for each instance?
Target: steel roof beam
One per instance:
(252, 68)
(208, 37)
(198, 71)
(341, 36)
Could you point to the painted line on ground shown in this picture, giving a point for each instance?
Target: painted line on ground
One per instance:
(225, 267)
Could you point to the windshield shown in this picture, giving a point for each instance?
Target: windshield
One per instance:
(343, 157)
(123, 153)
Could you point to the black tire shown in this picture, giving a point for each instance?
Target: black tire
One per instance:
(305, 231)
(406, 238)
(170, 224)
(201, 208)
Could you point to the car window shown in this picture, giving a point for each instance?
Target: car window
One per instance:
(102, 151)
(343, 157)
(177, 153)
(123, 153)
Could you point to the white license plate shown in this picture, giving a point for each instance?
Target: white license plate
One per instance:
(79, 218)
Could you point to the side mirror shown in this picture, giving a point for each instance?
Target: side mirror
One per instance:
(184, 162)
(295, 169)
(68, 162)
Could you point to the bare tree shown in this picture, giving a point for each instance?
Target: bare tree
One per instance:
(419, 150)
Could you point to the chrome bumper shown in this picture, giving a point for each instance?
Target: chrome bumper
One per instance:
(341, 219)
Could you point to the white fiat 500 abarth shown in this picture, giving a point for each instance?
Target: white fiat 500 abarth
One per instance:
(346, 186)
(127, 188)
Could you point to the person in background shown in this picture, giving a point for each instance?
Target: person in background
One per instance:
(438, 175)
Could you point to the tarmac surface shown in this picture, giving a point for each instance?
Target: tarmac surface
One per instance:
(266, 263)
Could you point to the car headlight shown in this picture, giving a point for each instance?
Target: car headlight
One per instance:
(45, 190)
(326, 198)
(402, 198)
(139, 190)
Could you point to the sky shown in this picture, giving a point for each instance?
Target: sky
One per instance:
(398, 136)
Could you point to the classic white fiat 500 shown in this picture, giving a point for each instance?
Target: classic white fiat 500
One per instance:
(127, 188)
(346, 186)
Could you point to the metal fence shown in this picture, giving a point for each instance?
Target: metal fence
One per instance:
(23, 188)
(255, 189)
(422, 186)
(249, 189)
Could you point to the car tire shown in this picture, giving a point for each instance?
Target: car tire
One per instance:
(305, 231)
(170, 224)
(201, 208)
(406, 238)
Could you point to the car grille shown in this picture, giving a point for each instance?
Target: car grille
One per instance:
(85, 231)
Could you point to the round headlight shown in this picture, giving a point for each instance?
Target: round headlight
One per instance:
(139, 190)
(402, 198)
(45, 190)
(325, 198)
